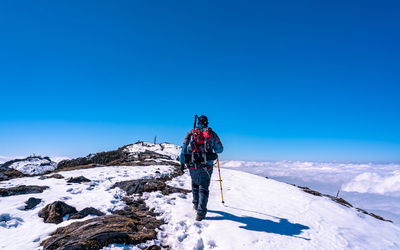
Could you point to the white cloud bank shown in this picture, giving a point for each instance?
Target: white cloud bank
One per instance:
(375, 183)
(328, 176)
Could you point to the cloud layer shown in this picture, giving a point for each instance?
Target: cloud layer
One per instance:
(328, 176)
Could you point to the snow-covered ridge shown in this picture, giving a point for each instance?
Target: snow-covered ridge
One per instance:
(371, 186)
(258, 213)
(261, 213)
(170, 150)
(32, 165)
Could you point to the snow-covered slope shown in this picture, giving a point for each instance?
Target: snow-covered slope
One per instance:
(372, 186)
(33, 165)
(259, 213)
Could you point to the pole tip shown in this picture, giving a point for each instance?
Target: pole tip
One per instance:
(223, 201)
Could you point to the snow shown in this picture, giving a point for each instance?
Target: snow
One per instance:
(166, 149)
(96, 193)
(262, 213)
(375, 187)
(259, 213)
(33, 166)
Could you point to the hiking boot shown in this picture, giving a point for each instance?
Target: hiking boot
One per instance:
(200, 217)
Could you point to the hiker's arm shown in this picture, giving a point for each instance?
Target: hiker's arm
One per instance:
(184, 147)
(218, 148)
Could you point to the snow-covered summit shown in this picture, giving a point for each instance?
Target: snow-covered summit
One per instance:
(32, 165)
(171, 151)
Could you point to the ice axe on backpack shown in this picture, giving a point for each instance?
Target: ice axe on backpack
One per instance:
(195, 121)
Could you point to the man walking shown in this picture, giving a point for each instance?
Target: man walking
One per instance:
(199, 150)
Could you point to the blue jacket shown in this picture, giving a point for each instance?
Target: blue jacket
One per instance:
(216, 146)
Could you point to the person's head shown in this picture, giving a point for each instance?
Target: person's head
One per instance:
(202, 121)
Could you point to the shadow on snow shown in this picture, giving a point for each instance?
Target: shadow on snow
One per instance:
(282, 227)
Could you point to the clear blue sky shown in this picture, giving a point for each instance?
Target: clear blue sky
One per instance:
(306, 80)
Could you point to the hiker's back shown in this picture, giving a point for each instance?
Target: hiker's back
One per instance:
(201, 146)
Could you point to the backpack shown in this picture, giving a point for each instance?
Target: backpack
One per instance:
(201, 140)
(200, 146)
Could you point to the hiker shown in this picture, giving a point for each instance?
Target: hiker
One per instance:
(199, 150)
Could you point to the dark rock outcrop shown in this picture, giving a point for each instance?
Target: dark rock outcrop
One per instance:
(147, 185)
(22, 190)
(133, 225)
(373, 215)
(78, 179)
(54, 212)
(7, 173)
(31, 203)
(102, 158)
(85, 212)
(55, 176)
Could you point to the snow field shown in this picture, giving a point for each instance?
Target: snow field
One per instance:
(261, 213)
(31, 230)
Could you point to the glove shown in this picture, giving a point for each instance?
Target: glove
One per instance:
(182, 168)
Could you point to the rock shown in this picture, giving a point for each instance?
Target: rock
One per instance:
(56, 176)
(310, 191)
(21, 190)
(133, 225)
(147, 185)
(153, 247)
(31, 203)
(102, 158)
(3, 177)
(54, 212)
(85, 212)
(373, 215)
(78, 179)
(7, 173)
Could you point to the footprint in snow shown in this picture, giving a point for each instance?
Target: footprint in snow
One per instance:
(74, 191)
(8, 221)
(211, 244)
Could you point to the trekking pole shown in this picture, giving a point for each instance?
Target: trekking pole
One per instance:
(220, 181)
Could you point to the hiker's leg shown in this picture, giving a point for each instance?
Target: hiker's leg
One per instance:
(195, 187)
(204, 184)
